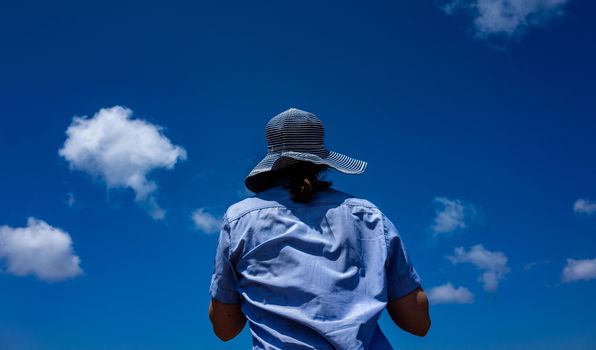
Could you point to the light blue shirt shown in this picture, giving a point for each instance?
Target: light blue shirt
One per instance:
(311, 276)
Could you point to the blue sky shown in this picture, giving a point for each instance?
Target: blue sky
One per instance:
(476, 118)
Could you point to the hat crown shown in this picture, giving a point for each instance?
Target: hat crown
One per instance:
(295, 130)
(297, 136)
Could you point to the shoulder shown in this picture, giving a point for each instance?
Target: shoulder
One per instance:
(349, 199)
(273, 197)
(245, 206)
(352, 202)
(279, 197)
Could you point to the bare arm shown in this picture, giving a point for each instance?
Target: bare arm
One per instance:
(410, 312)
(227, 319)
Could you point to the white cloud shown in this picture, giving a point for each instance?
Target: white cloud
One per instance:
(506, 17)
(38, 249)
(450, 214)
(494, 264)
(447, 294)
(533, 264)
(153, 208)
(70, 199)
(206, 222)
(121, 151)
(576, 270)
(584, 206)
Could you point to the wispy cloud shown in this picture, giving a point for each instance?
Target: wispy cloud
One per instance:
(584, 206)
(451, 214)
(153, 208)
(447, 294)
(493, 264)
(70, 199)
(38, 249)
(577, 270)
(506, 17)
(206, 222)
(533, 264)
(121, 151)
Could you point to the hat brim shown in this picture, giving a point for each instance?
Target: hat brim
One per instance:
(255, 181)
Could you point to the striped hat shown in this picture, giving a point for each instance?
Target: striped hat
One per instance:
(294, 136)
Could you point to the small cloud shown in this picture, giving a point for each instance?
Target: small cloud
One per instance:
(38, 249)
(584, 206)
(70, 199)
(529, 266)
(577, 270)
(450, 214)
(447, 294)
(494, 264)
(157, 213)
(506, 18)
(206, 222)
(153, 208)
(453, 7)
(120, 150)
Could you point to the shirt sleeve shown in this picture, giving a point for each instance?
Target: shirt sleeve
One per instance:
(402, 278)
(223, 281)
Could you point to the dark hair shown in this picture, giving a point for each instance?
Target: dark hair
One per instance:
(305, 179)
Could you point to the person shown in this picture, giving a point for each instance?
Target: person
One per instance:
(309, 266)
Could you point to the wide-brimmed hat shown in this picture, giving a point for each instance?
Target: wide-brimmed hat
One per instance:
(296, 136)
